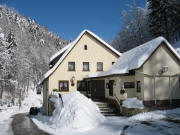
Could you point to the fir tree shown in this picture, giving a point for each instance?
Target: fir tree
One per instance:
(163, 17)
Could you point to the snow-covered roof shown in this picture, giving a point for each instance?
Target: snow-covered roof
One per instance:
(135, 58)
(98, 38)
(69, 47)
(60, 52)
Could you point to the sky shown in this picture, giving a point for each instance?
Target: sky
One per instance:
(67, 18)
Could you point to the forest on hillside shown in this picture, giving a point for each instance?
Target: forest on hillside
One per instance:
(141, 24)
(25, 50)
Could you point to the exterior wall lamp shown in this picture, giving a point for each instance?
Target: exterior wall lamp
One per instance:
(164, 69)
(72, 80)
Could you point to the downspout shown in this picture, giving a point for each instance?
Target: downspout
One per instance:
(154, 90)
(170, 90)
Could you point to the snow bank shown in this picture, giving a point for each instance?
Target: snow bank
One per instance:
(133, 103)
(77, 114)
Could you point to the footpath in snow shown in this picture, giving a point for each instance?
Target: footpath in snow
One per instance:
(80, 116)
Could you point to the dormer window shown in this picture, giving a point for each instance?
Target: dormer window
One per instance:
(85, 47)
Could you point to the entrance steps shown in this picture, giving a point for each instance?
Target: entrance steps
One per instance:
(107, 109)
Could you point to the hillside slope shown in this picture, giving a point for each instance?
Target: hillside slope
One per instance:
(25, 49)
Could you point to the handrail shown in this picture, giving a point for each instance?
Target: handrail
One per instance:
(117, 99)
(61, 100)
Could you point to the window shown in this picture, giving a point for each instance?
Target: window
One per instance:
(81, 85)
(113, 63)
(85, 66)
(138, 86)
(99, 66)
(63, 86)
(85, 47)
(128, 84)
(71, 66)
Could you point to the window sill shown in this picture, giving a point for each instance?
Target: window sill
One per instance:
(99, 70)
(85, 70)
(71, 70)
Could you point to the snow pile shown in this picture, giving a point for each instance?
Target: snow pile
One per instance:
(133, 103)
(149, 116)
(78, 113)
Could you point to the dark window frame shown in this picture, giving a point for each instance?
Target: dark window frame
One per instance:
(64, 81)
(70, 62)
(129, 85)
(97, 66)
(83, 66)
(138, 86)
(82, 88)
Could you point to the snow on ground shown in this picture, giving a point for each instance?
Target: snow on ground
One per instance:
(151, 123)
(133, 103)
(7, 112)
(78, 114)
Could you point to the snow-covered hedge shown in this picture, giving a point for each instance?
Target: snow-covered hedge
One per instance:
(133, 103)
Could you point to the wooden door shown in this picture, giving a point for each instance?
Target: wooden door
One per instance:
(111, 82)
(98, 89)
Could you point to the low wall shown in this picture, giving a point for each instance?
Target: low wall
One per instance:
(162, 103)
(132, 111)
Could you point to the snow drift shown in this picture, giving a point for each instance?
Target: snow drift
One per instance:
(77, 114)
(133, 103)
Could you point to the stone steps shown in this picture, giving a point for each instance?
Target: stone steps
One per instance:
(107, 109)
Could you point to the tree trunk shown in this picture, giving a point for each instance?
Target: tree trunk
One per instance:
(1, 89)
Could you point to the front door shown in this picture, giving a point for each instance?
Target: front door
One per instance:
(111, 82)
(98, 89)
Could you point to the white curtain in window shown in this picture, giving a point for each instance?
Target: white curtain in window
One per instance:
(85, 66)
(99, 66)
(71, 66)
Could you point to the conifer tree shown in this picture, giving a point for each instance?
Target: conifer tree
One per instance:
(163, 17)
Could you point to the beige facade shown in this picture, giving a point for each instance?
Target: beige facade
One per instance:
(96, 52)
(161, 86)
(157, 78)
(155, 85)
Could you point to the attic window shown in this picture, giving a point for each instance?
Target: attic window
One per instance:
(85, 47)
